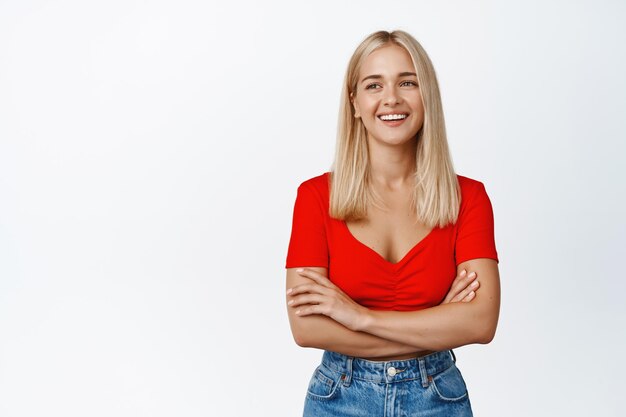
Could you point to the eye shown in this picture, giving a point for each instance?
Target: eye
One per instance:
(369, 87)
(410, 82)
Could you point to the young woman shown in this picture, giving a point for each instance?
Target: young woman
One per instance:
(382, 246)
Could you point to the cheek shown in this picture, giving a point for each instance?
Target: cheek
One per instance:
(419, 103)
(415, 101)
(366, 105)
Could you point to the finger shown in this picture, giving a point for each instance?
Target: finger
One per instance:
(459, 285)
(306, 299)
(459, 277)
(453, 288)
(469, 297)
(463, 282)
(463, 292)
(307, 288)
(470, 288)
(310, 309)
(315, 276)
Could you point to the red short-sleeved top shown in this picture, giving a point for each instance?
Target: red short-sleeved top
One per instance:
(419, 280)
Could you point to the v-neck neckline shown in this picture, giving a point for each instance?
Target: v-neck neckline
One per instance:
(377, 255)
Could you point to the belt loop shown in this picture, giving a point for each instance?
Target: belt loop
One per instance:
(347, 377)
(422, 365)
(453, 355)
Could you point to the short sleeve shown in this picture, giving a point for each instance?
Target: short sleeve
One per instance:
(308, 245)
(475, 233)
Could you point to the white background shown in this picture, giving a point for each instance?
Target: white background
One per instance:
(149, 158)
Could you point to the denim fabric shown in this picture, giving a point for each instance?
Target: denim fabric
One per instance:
(430, 385)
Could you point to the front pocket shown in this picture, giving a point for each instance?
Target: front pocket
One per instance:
(449, 385)
(323, 384)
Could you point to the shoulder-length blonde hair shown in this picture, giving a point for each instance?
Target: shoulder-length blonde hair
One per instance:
(436, 196)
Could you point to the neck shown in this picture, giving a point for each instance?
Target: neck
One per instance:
(392, 167)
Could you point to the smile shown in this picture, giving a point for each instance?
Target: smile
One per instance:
(387, 117)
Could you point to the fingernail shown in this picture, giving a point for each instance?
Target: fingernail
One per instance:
(299, 269)
(289, 290)
(290, 302)
(472, 275)
(474, 284)
(463, 272)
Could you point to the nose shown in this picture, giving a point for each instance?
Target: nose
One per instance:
(391, 97)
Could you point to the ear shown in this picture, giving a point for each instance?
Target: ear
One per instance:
(355, 105)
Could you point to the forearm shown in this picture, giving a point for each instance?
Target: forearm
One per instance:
(318, 331)
(322, 332)
(445, 326)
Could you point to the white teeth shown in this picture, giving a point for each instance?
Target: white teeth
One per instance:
(393, 116)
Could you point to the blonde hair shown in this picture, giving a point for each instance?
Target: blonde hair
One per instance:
(436, 196)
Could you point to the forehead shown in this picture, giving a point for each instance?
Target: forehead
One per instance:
(388, 60)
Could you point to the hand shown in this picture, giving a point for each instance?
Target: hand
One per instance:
(463, 288)
(321, 296)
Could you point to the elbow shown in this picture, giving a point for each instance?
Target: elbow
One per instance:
(300, 339)
(298, 331)
(486, 335)
(302, 334)
(485, 330)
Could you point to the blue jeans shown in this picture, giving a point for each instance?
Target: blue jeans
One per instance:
(429, 385)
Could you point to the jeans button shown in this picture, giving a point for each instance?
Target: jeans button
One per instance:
(391, 371)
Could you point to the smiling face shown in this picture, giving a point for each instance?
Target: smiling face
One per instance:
(387, 96)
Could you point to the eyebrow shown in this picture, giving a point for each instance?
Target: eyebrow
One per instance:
(378, 76)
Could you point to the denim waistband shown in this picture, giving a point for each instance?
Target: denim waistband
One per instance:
(421, 367)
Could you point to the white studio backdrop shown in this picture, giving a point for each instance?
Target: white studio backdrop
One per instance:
(149, 158)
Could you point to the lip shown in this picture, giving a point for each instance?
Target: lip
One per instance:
(392, 112)
(392, 123)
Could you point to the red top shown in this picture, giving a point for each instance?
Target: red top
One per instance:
(419, 280)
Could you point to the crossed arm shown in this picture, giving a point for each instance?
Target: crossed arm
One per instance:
(328, 319)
